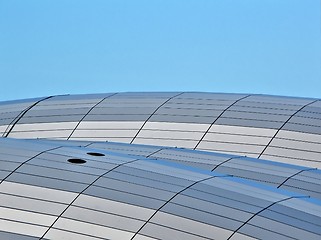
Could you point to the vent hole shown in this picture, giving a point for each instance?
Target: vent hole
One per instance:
(96, 154)
(76, 161)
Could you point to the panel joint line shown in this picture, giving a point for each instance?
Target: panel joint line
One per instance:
(153, 114)
(20, 115)
(263, 209)
(207, 130)
(21, 164)
(81, 192)
(159, 150)
(176, 194)
(276, 133)
(227, 160)
(293, 175)
(88, 113)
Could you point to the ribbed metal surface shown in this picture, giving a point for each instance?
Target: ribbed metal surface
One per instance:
(67, 182)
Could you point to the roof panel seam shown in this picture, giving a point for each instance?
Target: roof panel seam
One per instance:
(81, 192)
(88, 113)
(153, 114)
(263, 209)
(207, 130)
(17, 118)
(276, 133)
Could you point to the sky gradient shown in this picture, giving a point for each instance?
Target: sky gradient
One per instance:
(242, 46)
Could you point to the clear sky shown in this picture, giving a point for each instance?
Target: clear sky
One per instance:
(52, 47)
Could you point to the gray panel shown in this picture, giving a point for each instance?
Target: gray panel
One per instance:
(297, 223)
(296, 145)
(248, 123)
(49, 119)
(293, 153)
(71, 167)
(316, 114)
(305, 121)
(283, 229)
(136, 149)
(63, 234)
(121, 111)
(190, 155)
(90, 229)
(46, 182)
(113, 207)
(123, 197)
(22, 228)
(237, 138)
(189, 112)
(310, 186)
(260, 108)
(265, 166)
(161, 232)
(210, 96)
(213, 208)
(145, 95)
(180, 119)
(90, 166)
(74, 99)
(190, 226)
(139, 180)
(103, 219)
(314, 174)
(306, 192)
(311, 109)
(225, 193)
(31, 204)
(295, 213)
(256, 176)
(62, 155)
(207, 163)
(255, 116)
(231, 147)
(7, 117)
(267, 105)
(316, 104)
(4, 174)
(56, 112)
(280, 100)
(131, 188)
(170, 135)
(156, 176)
(197, 104)
(261, 233)
(57, 174)
(20, 102)
(203, 217)
(129, 103)
(302, 128)
(15, 236)
(116, 117)
(8, 166)
(226, 201)
(15, 154)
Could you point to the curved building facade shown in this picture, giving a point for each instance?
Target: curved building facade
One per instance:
(147, 166)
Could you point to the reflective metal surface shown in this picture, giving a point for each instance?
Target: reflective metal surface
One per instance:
(216, 166)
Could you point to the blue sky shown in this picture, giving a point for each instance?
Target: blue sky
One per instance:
(74, 46)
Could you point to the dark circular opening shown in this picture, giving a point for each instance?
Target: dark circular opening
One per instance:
(96, 154)
(76, 160)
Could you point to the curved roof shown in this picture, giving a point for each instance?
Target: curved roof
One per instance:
(216, 166)
(283, 129)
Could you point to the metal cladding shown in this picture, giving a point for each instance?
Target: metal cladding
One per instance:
(151, 166)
